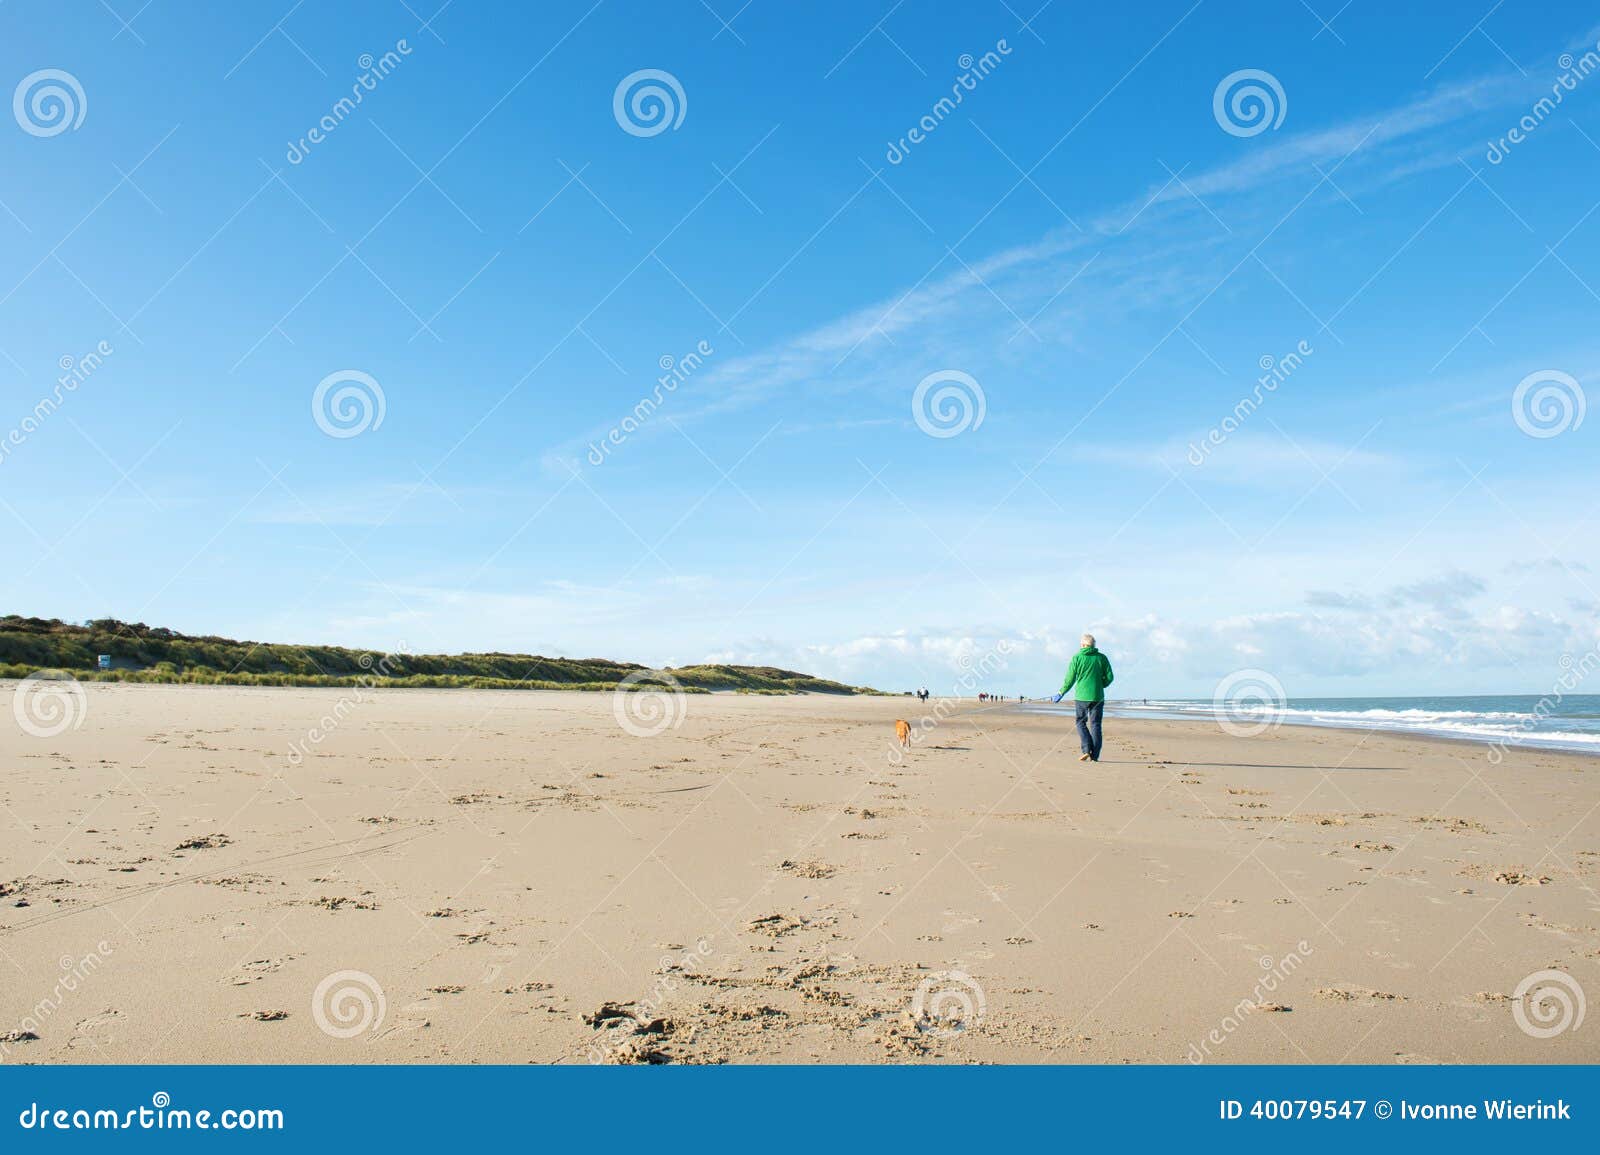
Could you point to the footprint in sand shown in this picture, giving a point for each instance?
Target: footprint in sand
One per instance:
(411, 1017)
(955, 920)
(1350, 993)
(96, 1030)
(257, 969)
(501, 957)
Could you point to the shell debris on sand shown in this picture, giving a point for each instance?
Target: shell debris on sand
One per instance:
(204, 842)
(807, 869)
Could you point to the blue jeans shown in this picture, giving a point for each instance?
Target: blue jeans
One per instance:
(1089, 715)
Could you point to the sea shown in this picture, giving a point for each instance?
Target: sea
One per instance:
(1554, 722)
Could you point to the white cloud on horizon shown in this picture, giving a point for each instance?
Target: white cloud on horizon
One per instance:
(1378, 651)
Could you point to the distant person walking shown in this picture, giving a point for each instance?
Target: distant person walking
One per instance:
(1087, 679)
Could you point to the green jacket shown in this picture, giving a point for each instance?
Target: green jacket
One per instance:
(1090, 671)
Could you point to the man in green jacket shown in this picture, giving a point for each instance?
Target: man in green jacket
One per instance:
(1090, 672)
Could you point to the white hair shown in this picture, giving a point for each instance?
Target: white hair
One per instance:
(1087, 639)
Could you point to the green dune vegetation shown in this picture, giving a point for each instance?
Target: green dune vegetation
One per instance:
(141, 653)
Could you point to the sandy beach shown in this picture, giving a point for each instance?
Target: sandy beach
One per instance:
(219, 874)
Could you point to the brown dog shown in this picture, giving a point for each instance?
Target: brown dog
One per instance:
(902, 731)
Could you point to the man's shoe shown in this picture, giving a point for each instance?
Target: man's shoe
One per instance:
(1083, 757)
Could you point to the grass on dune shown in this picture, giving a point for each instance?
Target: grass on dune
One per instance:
(141, 653)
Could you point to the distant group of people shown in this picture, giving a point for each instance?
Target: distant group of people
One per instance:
(984, 696)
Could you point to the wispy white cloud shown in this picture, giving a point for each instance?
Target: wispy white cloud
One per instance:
(844, 348)
(1255, 457)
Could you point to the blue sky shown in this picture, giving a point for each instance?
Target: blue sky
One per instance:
(1081, 236)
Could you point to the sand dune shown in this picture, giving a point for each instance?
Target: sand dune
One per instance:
(227, 874)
